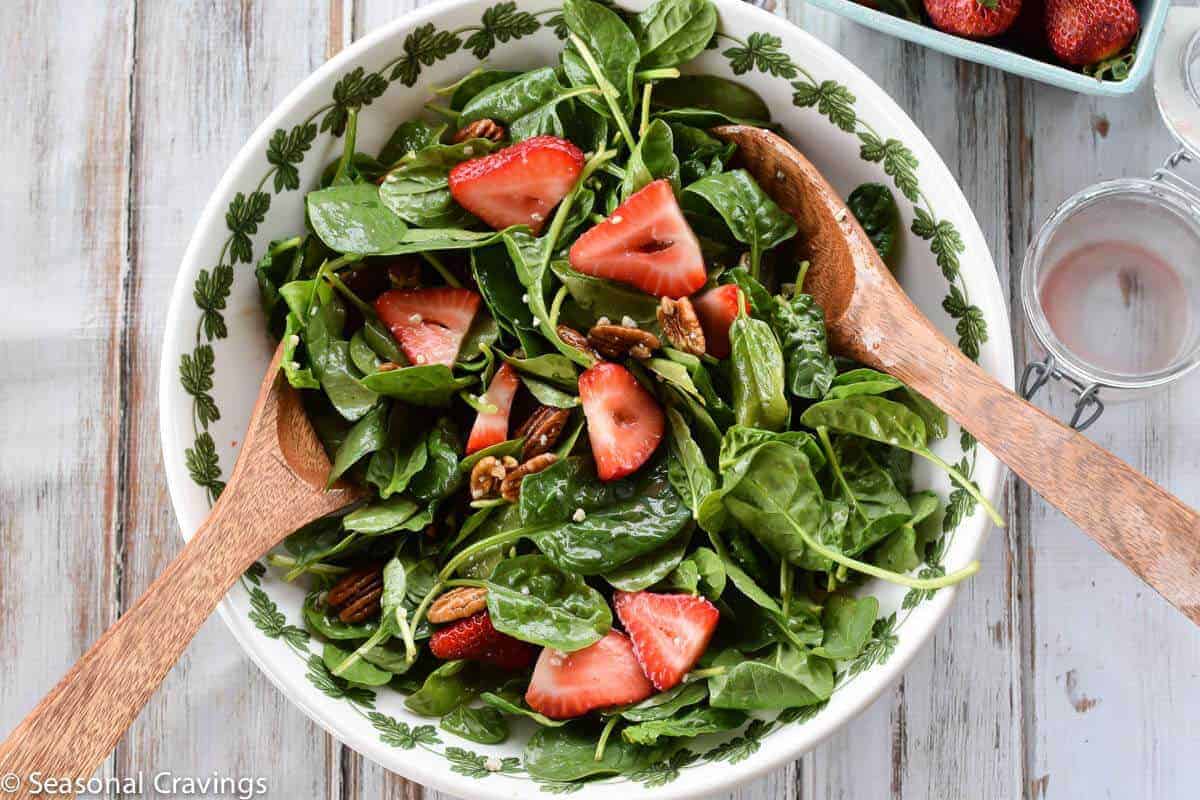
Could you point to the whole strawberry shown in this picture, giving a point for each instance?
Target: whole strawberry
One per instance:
(1082, 32)
(974, 19)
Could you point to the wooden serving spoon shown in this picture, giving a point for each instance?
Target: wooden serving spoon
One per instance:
(277, 486)
(872, 320)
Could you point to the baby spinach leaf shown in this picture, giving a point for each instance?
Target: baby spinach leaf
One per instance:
(861, 381)
(874, 206)
(684, 578)
(365, 437)
(318, 619)
(527, 103)
(359, 672)
(755, 294)
(692, 722)
(739, 441)
(569, 754)
(531, 260)
(552, 367)
(430, 385)
(751, 215)
(666, 704)
(509, 447)
(297, 375)
(446, 688)
(847, 622)
(711, 570)
(440, 476)
(877, 507)
(653, 158)
(380, 339)
(352, 219)
(800, 325)
(623, 519)
(361, 355)
(785, 678)
(549, 395)
(674, 374)
(330, 357)
(757, 375)
(409, 137)
(718, 100)
(418, 190)
(385, 516)
(687, 470)
(391, 469)
(601, 298)
(873, 418)
(482, 725)
(516, 707)
(532, 600)
(699, 153)
(611, 44)
(936, 423)
(475, 82)
(647, 570)
(673, 32)
(703, 380)
(318, 540)
(749, 587)
(497, 282)
(424, 240)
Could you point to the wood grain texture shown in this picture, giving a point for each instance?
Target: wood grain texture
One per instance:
(276, 487)
(121, 118)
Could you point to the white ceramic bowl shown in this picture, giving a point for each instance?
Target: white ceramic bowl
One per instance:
(216, 349)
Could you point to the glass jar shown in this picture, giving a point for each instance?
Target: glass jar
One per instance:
(1111, 282)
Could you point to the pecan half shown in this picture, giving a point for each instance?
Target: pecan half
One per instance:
(576, 339)
(510, 488)
(457, 604)
(486, 476)
(542, 429)
(356, 596)
(480, 129)
(681, 326)
(618, 341)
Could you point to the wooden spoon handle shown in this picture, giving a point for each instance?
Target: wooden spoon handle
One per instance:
(78, 723)
(1151, 531)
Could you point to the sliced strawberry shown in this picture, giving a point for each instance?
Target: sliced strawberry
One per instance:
(717, 309)
(669, 632)
(475, 639)
(519, 185)
(600, 675)
(646, 243)
(490, 429)
(624, 421)
(429, 323)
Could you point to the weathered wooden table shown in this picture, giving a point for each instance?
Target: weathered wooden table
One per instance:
(1058, 674)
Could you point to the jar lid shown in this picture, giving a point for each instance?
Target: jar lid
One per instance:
(1177, 77)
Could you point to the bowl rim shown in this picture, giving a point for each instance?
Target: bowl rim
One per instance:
(990, 477)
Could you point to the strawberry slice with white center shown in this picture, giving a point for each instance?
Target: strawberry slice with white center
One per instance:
(669, 632)
(645, 243)
(624, 421)
(519, 185)
(429, 324)
(490, 429)
(601, 675)
(717, 309)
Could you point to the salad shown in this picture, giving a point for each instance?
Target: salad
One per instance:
(618, 485)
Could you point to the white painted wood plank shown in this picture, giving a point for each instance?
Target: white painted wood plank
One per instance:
(1111, 667)
(206, 75)
(63, 219)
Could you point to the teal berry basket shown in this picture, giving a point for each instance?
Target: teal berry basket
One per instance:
(1153, 13)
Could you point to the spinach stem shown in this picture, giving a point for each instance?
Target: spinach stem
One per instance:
(879, 572)
(411, 655)
(345, 291)
(646, 90)
(827, 446)
(453, 582)
(801, 273)
(469, 552)
(342, 175)
(446, 274)
(657, 74)
(556, 305)
(965, 482)
(406, 634)
(448, 113)
(785, 586)
(316, 568)
(381, 635)
(604, 734)
(610, 93)
(701, 674)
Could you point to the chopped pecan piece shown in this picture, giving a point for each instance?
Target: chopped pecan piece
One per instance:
(457, 604)
(510, 488)
(681, 326)
(486, 477)
(480, 129)
(618, 341)
(542, 429)
(356, 596)
(575, 339)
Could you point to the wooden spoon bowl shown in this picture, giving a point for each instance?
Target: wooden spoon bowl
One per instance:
(277, 486)
(872, 320)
